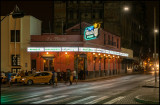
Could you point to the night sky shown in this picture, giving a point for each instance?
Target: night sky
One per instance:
(43, 9)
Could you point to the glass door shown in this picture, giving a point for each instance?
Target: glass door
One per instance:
(48, 64)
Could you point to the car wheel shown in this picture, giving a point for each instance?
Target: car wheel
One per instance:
(29, 82)
(50, 82)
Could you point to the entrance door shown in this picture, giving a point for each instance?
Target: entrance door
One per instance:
(82, 68)
(48, 64)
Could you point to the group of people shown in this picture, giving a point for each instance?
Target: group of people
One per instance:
(8, 75)
(68, 76)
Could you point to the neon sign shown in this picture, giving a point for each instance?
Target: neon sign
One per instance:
(35, 49)
(91, 32)
(54, 49)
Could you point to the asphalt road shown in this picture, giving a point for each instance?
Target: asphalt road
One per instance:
(105, 91)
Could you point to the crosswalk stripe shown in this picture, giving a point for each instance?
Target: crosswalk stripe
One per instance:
(37, 102)
(34, 99)
(97, 100)
(114, 100)
(74, 102)
(67, 99)
(20, 98)
(8, 95)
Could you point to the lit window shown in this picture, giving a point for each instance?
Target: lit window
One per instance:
(16, 60)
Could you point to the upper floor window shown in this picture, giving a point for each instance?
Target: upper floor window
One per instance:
(100, 15)
(112, 40)
(117, 43)
(71, 14)
(13, 35)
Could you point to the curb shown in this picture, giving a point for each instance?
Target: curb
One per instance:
(138, 99)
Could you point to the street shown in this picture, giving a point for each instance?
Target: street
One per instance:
(105, 91)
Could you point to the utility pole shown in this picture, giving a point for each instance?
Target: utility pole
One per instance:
(155, 44)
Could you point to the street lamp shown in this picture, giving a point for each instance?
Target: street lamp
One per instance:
(16, 13)
(155, 31)
(126, 8)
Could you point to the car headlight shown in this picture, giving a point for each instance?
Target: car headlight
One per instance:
(23, 78)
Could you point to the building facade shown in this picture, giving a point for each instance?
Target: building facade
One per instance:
(25, 27)
(93, 58)
(128, 25)
(102, 56)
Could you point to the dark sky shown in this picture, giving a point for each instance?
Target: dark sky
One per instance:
(43, 11)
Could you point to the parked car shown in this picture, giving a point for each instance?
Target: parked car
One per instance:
(3, 79)
(38, 77)
(15, 78)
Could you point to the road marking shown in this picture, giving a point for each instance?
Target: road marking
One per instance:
(34, 99)
(20, 98)
(8, 95)
(37, 102)
(97, 100)
(74, 102)
(67, 99)
(114, 100)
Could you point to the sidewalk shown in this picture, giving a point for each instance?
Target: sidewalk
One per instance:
(87, 80)
(106, 77)
(144, 94)
(149, 93)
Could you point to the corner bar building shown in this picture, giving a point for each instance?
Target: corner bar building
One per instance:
(98, 57)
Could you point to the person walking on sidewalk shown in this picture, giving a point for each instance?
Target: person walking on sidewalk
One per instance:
(75, 77)
(71, 78)
(55, 78)
(9, 78)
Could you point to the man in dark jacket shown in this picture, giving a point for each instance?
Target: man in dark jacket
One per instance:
(53, 76)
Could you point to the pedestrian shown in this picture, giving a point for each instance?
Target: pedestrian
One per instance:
(26, 73)
(71, 78)
(55, 78)
(64, 76)
(68, 76)
(9, 78)
(75, 77)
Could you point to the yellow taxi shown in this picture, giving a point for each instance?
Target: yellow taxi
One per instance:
(38, 77)
(3, 79)
(15, 78)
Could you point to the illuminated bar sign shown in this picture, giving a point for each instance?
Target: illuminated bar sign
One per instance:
(91, 32)
(69, 48)
(107, 51)
(117, 53)
(86, 49)
(35, 49)
(77, 49)
(53, 49)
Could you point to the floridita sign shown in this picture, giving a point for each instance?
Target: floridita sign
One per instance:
(75, 49)
(91, 32)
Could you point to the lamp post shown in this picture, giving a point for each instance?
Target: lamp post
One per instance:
(125, 9)
(155, 31)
